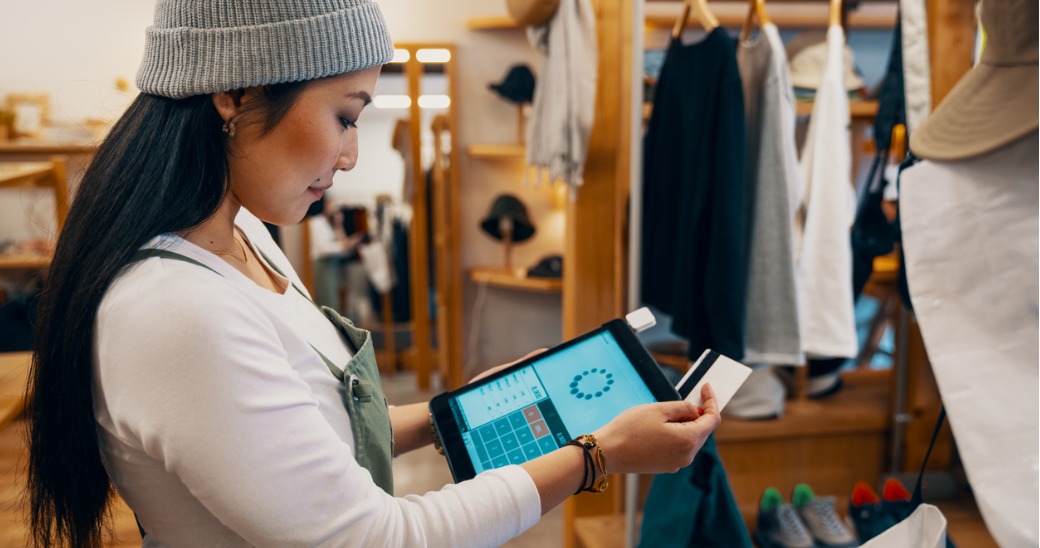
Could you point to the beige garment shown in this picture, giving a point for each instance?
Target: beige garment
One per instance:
(565, 97)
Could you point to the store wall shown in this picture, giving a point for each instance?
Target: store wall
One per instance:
(500, 324)
(76, 51)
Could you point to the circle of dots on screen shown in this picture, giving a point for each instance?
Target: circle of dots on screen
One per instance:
(600, 381)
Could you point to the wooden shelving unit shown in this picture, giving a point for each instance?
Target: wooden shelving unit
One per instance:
(500, 277)
(35, 175)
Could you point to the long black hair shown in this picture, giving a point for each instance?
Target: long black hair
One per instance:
(163, 168)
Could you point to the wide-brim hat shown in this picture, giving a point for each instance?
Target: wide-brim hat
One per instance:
(995, 103)
(550, 266)
(807, 57)
(508, 206)
(517, 86)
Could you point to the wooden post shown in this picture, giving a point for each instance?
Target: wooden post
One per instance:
(521, 129)
(594, 279)
(951, 41)
(418, 237)
(507, 244)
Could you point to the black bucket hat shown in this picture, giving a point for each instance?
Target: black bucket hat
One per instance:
(550, 266)
(508, 206)
(517, 86)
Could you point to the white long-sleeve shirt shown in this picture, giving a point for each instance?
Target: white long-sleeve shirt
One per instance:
(827, 320)
(219, 425)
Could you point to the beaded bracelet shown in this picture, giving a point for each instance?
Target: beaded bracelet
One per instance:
(589, 482)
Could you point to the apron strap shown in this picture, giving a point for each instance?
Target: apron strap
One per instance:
(143, 254)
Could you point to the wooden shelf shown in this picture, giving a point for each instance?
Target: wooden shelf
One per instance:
(858, 108)
(14, 373)
(500, 277)
(782, 20)
(15, 174)
(496, 151)
(43, 146)
(860, 407)
(24, 261)
(495, 22)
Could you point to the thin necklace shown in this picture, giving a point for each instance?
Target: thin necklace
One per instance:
(245, 256)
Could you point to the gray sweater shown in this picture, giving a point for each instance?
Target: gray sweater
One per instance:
(772, 331)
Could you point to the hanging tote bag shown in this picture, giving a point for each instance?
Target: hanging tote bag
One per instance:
(925, 527)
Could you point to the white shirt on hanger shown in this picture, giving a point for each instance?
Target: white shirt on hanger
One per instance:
(825, 258)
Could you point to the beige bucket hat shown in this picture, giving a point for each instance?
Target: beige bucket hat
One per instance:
(995, 103)
(807, 57)
(531, 13)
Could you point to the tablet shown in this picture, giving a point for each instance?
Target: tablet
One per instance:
(539, 404)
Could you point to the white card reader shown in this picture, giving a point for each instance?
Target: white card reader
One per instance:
(641, 320)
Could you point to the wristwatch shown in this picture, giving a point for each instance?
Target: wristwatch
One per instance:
(436, 437)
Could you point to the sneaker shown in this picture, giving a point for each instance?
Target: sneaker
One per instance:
(821, 519)
(779, 525)
(822, 386)
(895, 500)
(761, 397)
(866, 514)
(896, 505)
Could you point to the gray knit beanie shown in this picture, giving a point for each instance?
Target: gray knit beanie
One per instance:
(201, 47)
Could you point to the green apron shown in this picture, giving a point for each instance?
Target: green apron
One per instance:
(364, 401)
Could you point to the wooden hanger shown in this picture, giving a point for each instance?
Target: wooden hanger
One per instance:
(704, 15)
(835, 15)
(756, 8)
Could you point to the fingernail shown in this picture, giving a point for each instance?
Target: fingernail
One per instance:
(700, 410)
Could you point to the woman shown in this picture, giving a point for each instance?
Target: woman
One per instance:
(176, 357)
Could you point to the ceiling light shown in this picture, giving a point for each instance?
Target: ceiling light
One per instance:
(391, 101)
(433, 55)
(434, 101)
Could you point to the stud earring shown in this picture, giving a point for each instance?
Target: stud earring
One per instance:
(229, 128)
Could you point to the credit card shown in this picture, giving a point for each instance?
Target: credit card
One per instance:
(724, 374)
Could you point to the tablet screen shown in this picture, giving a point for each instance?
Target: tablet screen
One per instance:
(538, 408)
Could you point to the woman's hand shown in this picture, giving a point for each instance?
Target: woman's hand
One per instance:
(658, 437)
(650, 439)
(498, 368)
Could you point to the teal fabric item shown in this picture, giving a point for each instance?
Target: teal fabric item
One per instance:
(694, 507)
(364, 400)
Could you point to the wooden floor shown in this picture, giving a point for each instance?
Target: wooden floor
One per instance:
(13, 531)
